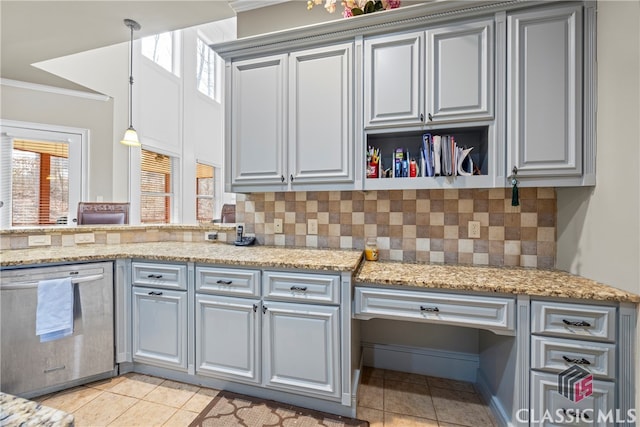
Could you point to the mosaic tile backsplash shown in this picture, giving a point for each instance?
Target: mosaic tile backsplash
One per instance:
(413, 225)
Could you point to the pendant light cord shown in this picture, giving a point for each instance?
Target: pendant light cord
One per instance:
(131, 79)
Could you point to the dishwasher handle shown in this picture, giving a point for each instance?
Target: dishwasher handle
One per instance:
(29, 285)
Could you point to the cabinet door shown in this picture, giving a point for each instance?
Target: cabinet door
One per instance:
(160, 327)
(394, 80)
(551, 408)
(460, 72)
(258, 121)
(544, 94)
(321, 115)
(227, 339)
(302, 348)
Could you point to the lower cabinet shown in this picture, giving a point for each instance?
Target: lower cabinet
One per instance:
(301, 347)
(228, 339)
(288, 339)
(159, 327)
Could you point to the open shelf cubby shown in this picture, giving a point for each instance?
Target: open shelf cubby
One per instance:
(475, 137)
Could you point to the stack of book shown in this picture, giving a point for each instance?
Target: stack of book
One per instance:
(441, 156)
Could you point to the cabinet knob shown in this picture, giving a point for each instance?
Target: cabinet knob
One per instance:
(581, 361)
(577, 323)
(224, 282)
(291, 176)
(430, 117)
(295, 288)
(429, 309)
(282, 178)
(255, 308)
(422, 117)
(264, 309)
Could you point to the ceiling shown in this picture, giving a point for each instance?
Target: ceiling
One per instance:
(34, 31)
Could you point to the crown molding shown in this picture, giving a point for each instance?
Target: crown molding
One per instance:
(244, 5)
(52, 89)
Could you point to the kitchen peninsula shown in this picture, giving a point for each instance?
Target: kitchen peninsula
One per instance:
(518, 313)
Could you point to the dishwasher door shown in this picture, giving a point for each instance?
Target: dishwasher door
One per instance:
(29, 367)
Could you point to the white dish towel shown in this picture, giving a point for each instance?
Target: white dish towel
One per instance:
(54, 312)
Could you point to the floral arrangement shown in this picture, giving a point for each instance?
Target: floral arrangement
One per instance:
(356, 7)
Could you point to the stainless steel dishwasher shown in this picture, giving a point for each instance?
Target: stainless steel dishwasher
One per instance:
(30, 367)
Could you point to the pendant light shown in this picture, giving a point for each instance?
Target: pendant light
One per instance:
(130, 135)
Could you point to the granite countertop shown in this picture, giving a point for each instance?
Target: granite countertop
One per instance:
(203, 252)
(509, 280)
(16, 411)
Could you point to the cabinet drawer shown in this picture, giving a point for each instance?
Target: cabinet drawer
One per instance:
(322, 288)
(228, 281)
(558, 354)
(492, 313)
(550, 408)
(169, 276)
(574, 320)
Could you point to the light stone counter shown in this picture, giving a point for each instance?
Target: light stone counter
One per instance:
(211, 253)
(16, 411)
(509, 280)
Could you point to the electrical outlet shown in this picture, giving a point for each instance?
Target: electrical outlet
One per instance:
(210, 235)
(474, 229)
(277, 225)
(84, 238)
(312, 226)
(40, 240)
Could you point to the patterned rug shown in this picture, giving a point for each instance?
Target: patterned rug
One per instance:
(231, 410)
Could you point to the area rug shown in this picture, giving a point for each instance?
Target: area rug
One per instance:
(230, 410)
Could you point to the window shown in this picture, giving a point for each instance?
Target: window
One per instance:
(162, 49)
(204, 192)
(208, 71)
(156, 192)
(42, 174)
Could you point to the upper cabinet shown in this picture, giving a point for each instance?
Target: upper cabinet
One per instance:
(256, 155)
(394, 80)
(545, 103)
(460, 72)
(436, 95)
(457, 86)
(291, 121)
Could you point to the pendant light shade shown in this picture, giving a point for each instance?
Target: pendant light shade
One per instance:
(130, 135)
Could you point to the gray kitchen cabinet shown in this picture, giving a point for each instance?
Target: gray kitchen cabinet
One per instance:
(394, 80)
(320, 140)
(256, 124)
(228, 337)
(302, 347)
(286, 336)
(460, 77)
(159, 315)
(545, 94)
(288, 136)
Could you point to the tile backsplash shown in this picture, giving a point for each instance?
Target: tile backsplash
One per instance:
(413, 225)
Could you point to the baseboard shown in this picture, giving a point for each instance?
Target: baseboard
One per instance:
(424, 361)
(494, 403)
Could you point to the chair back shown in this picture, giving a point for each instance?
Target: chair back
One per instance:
(103, 213)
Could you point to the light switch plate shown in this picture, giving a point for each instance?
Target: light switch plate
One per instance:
(474, 229)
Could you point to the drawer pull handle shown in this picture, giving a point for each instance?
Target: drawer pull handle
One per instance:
(154, 276)
(224, 282)
(581, 361)
(155, 293)
(576, 323)
(429, 309)
(295, 288)
(576, 413)
(58, 368)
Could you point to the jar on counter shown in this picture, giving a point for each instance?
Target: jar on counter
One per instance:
(371, 249)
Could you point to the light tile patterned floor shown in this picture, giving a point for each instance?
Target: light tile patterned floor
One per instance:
(385, 399)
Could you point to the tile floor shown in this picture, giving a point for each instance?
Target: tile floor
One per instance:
(385, 399)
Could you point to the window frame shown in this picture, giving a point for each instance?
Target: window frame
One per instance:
(78, 140)
(217, 66)
(176, 46)
(213, 194)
